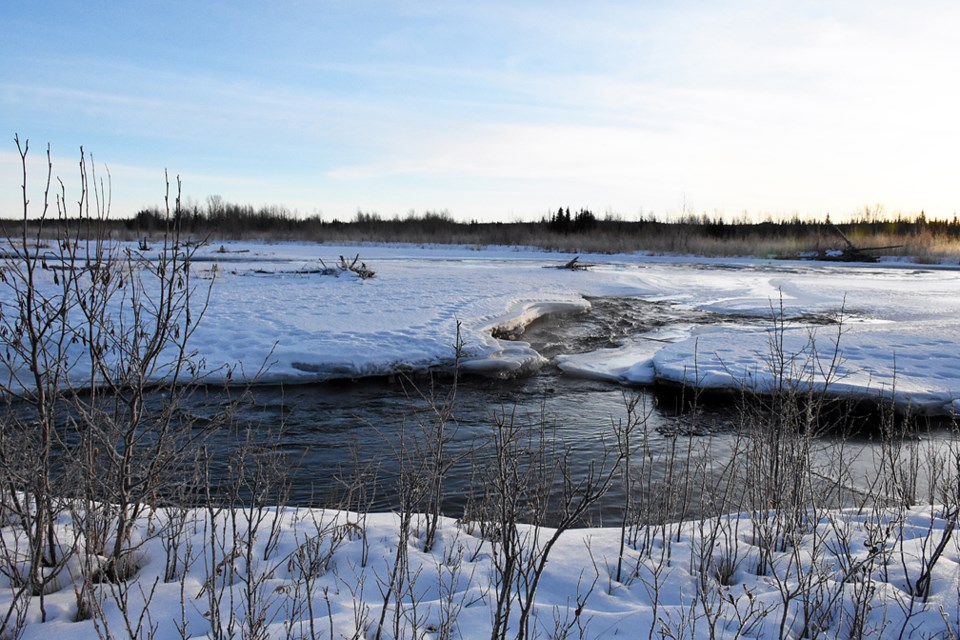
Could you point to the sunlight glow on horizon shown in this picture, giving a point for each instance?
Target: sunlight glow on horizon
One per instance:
(494, 111)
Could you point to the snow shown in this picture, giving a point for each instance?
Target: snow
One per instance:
(901, 322)
(898, 339)
(273, 318)
(329, 570)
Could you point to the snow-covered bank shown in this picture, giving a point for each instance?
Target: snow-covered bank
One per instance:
(902, 322)
(274, 318)
(783, 565)
(328, 574)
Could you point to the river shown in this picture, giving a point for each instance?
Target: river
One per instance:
(343, 443)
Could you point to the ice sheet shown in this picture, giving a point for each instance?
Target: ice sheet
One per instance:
(900, 332)
(272, 317)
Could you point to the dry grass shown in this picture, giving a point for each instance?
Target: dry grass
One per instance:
(935, 242)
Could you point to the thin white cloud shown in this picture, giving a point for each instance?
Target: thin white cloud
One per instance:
(768, 106)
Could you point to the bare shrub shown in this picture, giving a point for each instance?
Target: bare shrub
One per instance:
(529, 485)
(95, 366)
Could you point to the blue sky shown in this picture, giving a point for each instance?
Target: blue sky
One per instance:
(491, 110)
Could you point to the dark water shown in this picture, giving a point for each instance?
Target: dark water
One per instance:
(332, 433)
(343, 444)
(340, 437)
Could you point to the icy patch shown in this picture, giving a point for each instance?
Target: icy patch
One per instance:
(632, 363)
(916, 373)
(511, 360)
(611, 365)
(506, 358)
(515, 320)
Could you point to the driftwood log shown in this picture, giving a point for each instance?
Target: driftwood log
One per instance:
(851, 252)
(361, 269)
(573, 265)
(342, 267)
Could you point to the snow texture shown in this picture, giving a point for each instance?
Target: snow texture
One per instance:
(323, 571)
(899, 336)
(271, 311)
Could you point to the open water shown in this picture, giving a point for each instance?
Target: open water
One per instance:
(344, 443)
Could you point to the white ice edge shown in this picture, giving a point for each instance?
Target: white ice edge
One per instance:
(504, 358)
(870, 365)
(632, 363)
(745, 358)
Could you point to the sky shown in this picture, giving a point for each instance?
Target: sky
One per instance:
(489, 110)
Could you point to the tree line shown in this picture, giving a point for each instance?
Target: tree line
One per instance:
(563, 229)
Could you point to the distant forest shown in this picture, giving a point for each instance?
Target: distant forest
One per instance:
(563, 230)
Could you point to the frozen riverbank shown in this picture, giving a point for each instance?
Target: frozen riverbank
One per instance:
(901, 323)
(221, 555)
